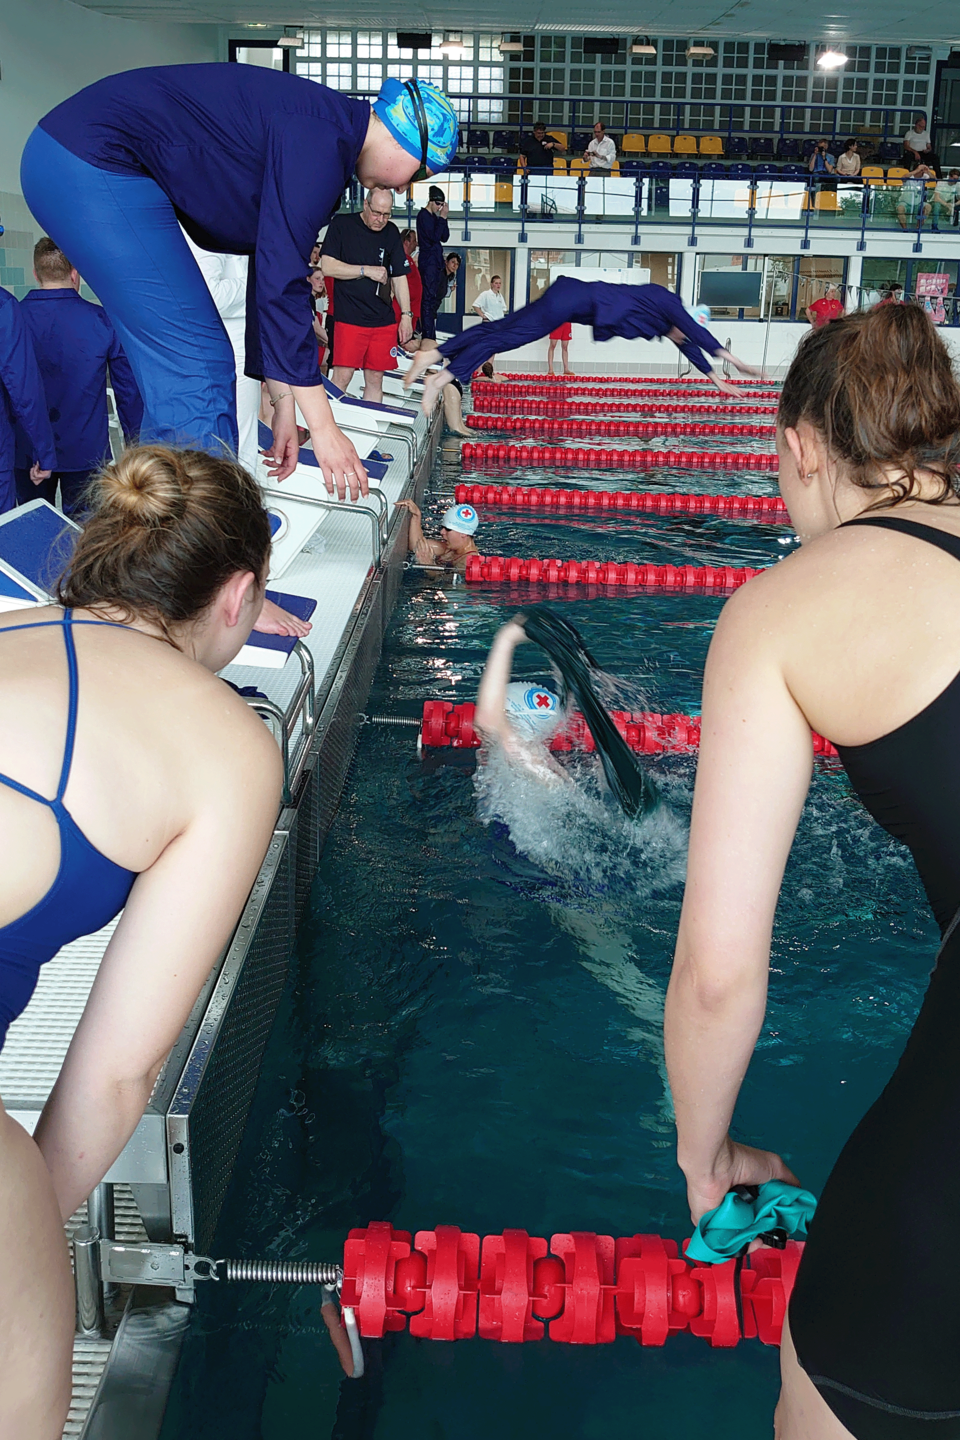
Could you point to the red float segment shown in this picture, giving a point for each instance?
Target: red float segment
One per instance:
(590, 1288)
(541, 428)
(491, 390)
(447, 725)
(681, 382)
(474, 452)
(500, 569)
(529, 497)
(533, 405)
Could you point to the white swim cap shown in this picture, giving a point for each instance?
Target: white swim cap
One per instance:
(462, 518)
(532, 706)
(700, 313)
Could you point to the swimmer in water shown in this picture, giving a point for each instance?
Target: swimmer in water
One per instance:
(457, 529)
(519, 717)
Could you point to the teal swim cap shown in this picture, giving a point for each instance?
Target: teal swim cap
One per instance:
(421, 119)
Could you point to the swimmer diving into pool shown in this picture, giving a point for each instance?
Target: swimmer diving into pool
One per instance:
(521, 718)
(632, 312)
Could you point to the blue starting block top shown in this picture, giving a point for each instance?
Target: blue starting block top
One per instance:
(36, 542)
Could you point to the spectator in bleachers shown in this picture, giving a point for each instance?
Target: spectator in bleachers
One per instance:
(821, 165)
(21, 403)
(913, 194)
(75, 346)
(945, 197)
(848, 162)
(828, 307)
(433, 232)
(538, 149)
(601, 153)
(892, 294)
(916, 142)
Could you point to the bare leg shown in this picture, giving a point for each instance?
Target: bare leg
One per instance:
(551, 347)
(341, 375)
(36, 1295)
(565, 352)
(802, 1413)
(453, 411)
(431, 390)
(373, 386)
(427, 355)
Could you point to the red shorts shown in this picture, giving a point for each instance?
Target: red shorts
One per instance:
(562, 332)
(358, 347)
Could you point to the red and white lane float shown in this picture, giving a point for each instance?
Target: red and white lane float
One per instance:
(491, 452)
(510, 569)
(532, 497)
(540, 427)
(682, 382)
(448, 726)
(514, 404)
(533, 386)
(577, 1288)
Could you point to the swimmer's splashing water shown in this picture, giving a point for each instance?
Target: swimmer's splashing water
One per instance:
(635, 791)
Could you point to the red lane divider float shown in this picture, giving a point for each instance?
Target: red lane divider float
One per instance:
(542, 428)
(445, 725)
(503, 569)
(493, 391)
(481, 452)
(682, 382)
(520, 405)
(529, 497)
(580, 1288)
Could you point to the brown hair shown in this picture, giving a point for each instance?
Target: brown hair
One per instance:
(487, 369)
(49, 261)
(167, 529)
(879, 389)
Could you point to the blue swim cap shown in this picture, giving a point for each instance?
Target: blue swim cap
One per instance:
(462, 518)
(533, 707)
(421, 119)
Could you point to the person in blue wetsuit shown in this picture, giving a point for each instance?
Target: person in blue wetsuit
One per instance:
(433, 232)
(130, 778)
(75, 347)
(21, 402)
(631, 311)
(857, 635)
(251, 162)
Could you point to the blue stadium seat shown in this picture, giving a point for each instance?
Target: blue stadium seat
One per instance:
(580, 140)
(632, 167)
(686, 171)
(740, 172)
(788, 148)
(794, 172)
(712, 170)
(478, 139)
(890, 150)
(736, 147)
(767, 172)
(761, 147)
(661, 169)
(506, 140)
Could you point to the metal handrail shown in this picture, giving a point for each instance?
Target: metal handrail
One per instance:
(376, 517)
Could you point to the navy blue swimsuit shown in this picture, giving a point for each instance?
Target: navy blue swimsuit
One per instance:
(875, 1314)
(89, 890)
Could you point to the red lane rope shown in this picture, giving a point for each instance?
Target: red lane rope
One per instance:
(490, 389)
(681, 381)
(502, 569)
(547, 429)
(447, 725)
(754, 507)
(581, 1288)
(518, 405)
(490, 453)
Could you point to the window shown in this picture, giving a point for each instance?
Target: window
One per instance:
(793, 88)
(731, 264)
(583, 82)
(673, 85)
(918, 64)
(431, 73)
(763, 87)
(733, 87)
(369, 77)
(736, 55)
(703, 85)
(369, 44)
(643, 87)
(490, 80)
(339, 44)
(885, 92)
(858, 60)
(612, 82)
(887, 60)
(480, 265)
(520, 80)
(663, 268)
(541, 266)
(400, 72)
(854, 90)
(553, 49)
(673, 52)
(552, 82)
(339, 77)
(915, 93)
(814, 274)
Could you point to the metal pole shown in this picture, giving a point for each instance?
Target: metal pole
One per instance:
(102, 1216)
(86, 1269)
(766, 337)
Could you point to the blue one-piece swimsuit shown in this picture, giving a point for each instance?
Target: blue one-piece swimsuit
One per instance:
(89, 890)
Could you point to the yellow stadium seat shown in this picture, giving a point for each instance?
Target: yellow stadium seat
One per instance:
(896, 176)
(873, 173)
(578, 165)
(633, 145)
(559, 165)
(711, 145)
(560, 135)
(503, 191)
(659, 145)
(685, 145)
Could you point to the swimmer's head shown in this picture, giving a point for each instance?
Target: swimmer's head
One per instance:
(461, 519)
(532, 708)
(700, 313)
(178, 540)
(422, 121)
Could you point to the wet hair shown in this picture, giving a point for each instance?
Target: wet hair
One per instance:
(880, 390)
(166, 529)
(487, 369)
(49, 261)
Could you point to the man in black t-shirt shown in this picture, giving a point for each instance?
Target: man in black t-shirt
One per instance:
(365, 255)
(537, 150)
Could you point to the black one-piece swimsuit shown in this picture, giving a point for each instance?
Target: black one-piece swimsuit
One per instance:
(875, 1315)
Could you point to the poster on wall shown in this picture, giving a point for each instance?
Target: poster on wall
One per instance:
(932, 289)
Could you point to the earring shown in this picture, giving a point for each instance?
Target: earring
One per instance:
(810, 474)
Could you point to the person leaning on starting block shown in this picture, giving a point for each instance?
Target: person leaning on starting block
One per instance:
(457, 529)
(131, 779)
(631, 312)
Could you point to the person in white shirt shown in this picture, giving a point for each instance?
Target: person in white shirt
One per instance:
(917, 140)
(601, 152)
(490, 304)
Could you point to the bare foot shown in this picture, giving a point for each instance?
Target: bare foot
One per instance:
(455, 430)
(274, 621)
(432, 386)
(422, 361)
(569, 372)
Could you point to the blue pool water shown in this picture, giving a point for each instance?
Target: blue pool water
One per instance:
(471, 1033)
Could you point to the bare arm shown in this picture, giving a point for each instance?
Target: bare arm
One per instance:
(401, 289)
(491, 711)
(340, 270)
(340, 465)
(425, 550)
(752, 777)
(180, 914)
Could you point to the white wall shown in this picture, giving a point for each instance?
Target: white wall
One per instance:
(49, 49)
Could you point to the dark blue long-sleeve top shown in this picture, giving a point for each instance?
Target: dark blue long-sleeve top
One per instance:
(254, 162)
(74, 343)
(21, 392)
(433, 232)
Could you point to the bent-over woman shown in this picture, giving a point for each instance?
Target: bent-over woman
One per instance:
(131, 779)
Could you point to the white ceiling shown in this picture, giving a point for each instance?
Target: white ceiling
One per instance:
(884, 21)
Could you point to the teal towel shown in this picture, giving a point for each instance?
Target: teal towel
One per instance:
(722, 1233)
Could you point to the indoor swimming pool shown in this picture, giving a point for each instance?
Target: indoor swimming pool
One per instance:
(471, 1032)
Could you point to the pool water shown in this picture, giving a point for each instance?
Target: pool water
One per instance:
(471, 1032)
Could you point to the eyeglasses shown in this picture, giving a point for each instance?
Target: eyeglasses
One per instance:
(379, 214)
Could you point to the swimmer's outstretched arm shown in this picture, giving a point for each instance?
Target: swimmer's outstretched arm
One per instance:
(425, 550)
(490, 717)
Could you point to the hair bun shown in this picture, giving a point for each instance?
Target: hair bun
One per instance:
(147, 484)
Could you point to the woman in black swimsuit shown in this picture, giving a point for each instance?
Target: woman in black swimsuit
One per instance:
(857, 635)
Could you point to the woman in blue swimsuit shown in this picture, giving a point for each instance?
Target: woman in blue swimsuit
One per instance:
(130, 778)
(857, 636)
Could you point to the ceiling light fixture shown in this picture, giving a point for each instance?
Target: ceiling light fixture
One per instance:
(510, 47)
(643, 47)
(831, 60)
(452, 44)
(700, 52)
